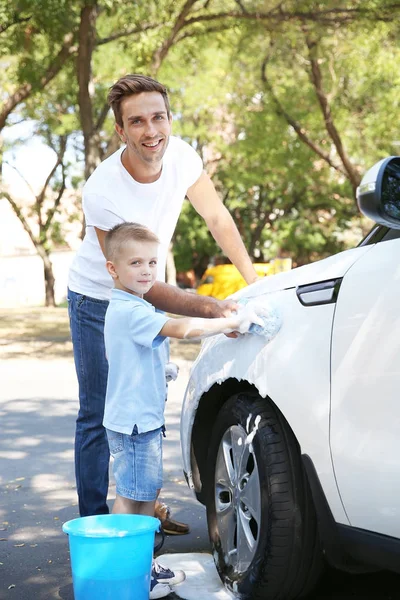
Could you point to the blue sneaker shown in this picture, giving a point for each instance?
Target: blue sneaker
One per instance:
(158, 590)
(165, 575)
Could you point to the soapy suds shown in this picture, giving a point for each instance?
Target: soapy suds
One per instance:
(202, 580)
(250, 437)
(253, 432)
(248, 423)
(251, 355)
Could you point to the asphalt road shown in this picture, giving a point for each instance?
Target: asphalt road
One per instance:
(37, 491)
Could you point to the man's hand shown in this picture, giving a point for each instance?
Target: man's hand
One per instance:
(223, 308)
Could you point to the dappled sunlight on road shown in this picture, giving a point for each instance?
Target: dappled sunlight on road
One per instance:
(38, 408)
(48, 481)
(41, 407)
(28, 442)
(13, 454)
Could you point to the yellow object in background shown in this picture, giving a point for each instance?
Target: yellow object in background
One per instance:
(223, 280)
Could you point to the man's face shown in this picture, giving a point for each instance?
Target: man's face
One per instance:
(135, 269)
(146, 126)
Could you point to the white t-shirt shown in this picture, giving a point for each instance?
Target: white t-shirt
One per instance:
(112, 196)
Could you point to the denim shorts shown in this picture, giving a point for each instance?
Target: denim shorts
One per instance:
(137, 463)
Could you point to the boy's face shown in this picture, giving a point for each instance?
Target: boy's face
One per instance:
(135, 269)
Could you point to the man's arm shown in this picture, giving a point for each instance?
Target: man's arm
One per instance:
(204, 198)
(174, 300)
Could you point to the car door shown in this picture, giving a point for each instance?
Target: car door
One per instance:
(365, 389)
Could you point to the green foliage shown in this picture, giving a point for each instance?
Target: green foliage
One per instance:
(285, 198)
(265, 174)
(193, 243)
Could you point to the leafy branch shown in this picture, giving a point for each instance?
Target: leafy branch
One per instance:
(298, 128)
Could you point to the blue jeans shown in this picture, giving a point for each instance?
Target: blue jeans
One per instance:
(91, 447)
(137, 463)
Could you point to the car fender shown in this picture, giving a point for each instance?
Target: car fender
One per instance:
(294, 376)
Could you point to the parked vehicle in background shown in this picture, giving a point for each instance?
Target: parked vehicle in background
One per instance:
(220, 281)
(294, 445)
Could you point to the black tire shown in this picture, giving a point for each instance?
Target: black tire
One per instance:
(287, 560)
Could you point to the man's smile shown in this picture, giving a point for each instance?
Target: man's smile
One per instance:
(153, 144)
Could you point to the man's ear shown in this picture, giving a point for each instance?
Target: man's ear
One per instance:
(120, 131)
(111, 269)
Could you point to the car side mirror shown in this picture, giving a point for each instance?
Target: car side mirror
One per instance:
(378, 194)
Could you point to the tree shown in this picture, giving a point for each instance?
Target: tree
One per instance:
(31, 52)
(294, 138)
(39, 217)
(274, 96)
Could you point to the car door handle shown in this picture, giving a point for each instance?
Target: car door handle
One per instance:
(323, 292)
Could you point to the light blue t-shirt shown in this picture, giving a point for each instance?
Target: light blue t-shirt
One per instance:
(136, 360)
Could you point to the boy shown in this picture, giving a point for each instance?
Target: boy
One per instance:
(134, 412)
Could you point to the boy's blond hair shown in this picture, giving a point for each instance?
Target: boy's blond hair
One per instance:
(117, 237)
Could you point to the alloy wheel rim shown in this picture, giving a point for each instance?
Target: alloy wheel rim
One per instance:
(237, 498)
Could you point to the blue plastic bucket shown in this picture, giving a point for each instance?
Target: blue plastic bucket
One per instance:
(111, 556)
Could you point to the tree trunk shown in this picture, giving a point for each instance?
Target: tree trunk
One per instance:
(49, 282)
(171, 269)
(113, 144)
(1, 157)
(87, 39)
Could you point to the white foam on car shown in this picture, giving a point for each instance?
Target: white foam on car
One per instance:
(252, 433)
(202, 580)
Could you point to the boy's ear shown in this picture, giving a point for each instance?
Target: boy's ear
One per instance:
(111, 269)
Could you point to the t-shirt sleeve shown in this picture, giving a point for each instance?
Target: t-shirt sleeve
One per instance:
(146, 326)
(191, 163)
(100, 212)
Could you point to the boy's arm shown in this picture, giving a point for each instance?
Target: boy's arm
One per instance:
(190, 328)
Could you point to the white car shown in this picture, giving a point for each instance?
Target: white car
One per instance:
(294, 445)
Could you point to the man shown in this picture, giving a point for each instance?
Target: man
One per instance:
(145, 181)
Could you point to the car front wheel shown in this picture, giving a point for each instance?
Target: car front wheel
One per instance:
(260, 514)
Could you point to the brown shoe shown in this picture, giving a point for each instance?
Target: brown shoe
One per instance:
(170, 527)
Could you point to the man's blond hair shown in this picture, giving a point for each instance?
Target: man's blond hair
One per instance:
(119, 235)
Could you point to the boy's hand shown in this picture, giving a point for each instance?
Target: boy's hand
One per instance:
(225, 308)
(246, 317)
(171, 371)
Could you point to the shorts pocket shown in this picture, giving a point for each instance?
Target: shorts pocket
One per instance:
(115, 441)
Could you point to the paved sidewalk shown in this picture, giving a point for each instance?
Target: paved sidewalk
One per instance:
(38, 407)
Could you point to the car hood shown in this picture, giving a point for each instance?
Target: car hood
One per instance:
(330, 268)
